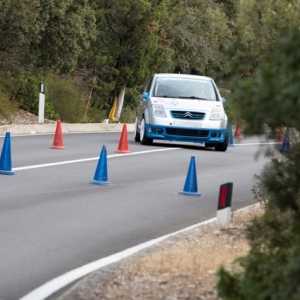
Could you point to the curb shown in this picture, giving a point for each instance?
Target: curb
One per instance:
(66, 127)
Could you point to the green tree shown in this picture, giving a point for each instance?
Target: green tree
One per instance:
(272, 96)
(229, 7)
(198, 35)
(256, 27)
(130, 43)
(271, 270)
(19, 23)
(67, 30)
(37, 37)
(48, 34)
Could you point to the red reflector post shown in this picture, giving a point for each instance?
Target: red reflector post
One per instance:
(222, 200)
(225, 195)
(224, 205)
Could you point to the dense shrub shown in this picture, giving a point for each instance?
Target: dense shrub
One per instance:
(271, 270)
(30, 94)
(127, 115)
(95, 115)
(65, 96)
(22, 90)
(7, 107)
(132, 98)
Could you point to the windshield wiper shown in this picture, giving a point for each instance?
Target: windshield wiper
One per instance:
(192, 97)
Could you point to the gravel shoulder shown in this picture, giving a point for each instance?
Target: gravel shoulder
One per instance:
(183, 266)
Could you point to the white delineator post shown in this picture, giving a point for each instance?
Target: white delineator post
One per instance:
(41, 103)
(224, 205)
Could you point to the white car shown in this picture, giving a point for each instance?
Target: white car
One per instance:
(182, 107)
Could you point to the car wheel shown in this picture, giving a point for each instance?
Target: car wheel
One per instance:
(210, 145)
(137, 136)
(222, 146)
(143, 135)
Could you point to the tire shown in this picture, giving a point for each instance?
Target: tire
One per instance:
(143, 134)
(137, 136)
(222, 146)
(210, 145)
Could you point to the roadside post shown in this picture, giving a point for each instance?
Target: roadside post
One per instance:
(224, 204)
(41, 103)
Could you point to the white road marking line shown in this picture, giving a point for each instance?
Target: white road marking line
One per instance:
(116, 155)
(266, 143)
(89, 159)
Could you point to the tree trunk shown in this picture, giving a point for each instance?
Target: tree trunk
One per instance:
(120, 102)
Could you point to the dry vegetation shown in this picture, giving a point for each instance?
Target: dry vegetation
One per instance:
(181, 267)
(21, 117)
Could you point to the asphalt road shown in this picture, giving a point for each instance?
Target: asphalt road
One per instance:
(52, 220)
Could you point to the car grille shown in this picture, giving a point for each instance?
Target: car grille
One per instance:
(194, 115)
(187, 132)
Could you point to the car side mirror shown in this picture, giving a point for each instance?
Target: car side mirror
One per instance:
(223, 100)
(145, 96)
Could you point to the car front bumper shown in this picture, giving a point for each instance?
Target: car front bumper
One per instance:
(197, 135)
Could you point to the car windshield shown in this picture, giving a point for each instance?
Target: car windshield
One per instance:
(188, 88)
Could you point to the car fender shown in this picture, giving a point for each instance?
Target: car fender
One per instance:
(146, 115)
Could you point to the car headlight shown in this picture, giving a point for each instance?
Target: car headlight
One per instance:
(217, 113)
(158, 110)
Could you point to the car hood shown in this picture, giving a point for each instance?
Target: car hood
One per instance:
(186, 104)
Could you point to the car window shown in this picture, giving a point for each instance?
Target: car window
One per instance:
(184, 88)
(149, 85)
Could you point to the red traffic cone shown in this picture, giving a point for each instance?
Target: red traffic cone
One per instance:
(58, 142)
(238, 130)
(280, 135)
(123, 143)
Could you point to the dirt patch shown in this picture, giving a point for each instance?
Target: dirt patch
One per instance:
(22, 117)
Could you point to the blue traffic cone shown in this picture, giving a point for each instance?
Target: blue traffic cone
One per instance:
(286, 145)
(230, 136)
(190, 187)
(5, 161)
(100, 176)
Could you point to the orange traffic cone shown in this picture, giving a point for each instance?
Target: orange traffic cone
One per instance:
(280, 135)
(58, 142)
(123, 143)
(238, 130)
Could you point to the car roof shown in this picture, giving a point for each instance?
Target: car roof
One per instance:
(171, 75)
